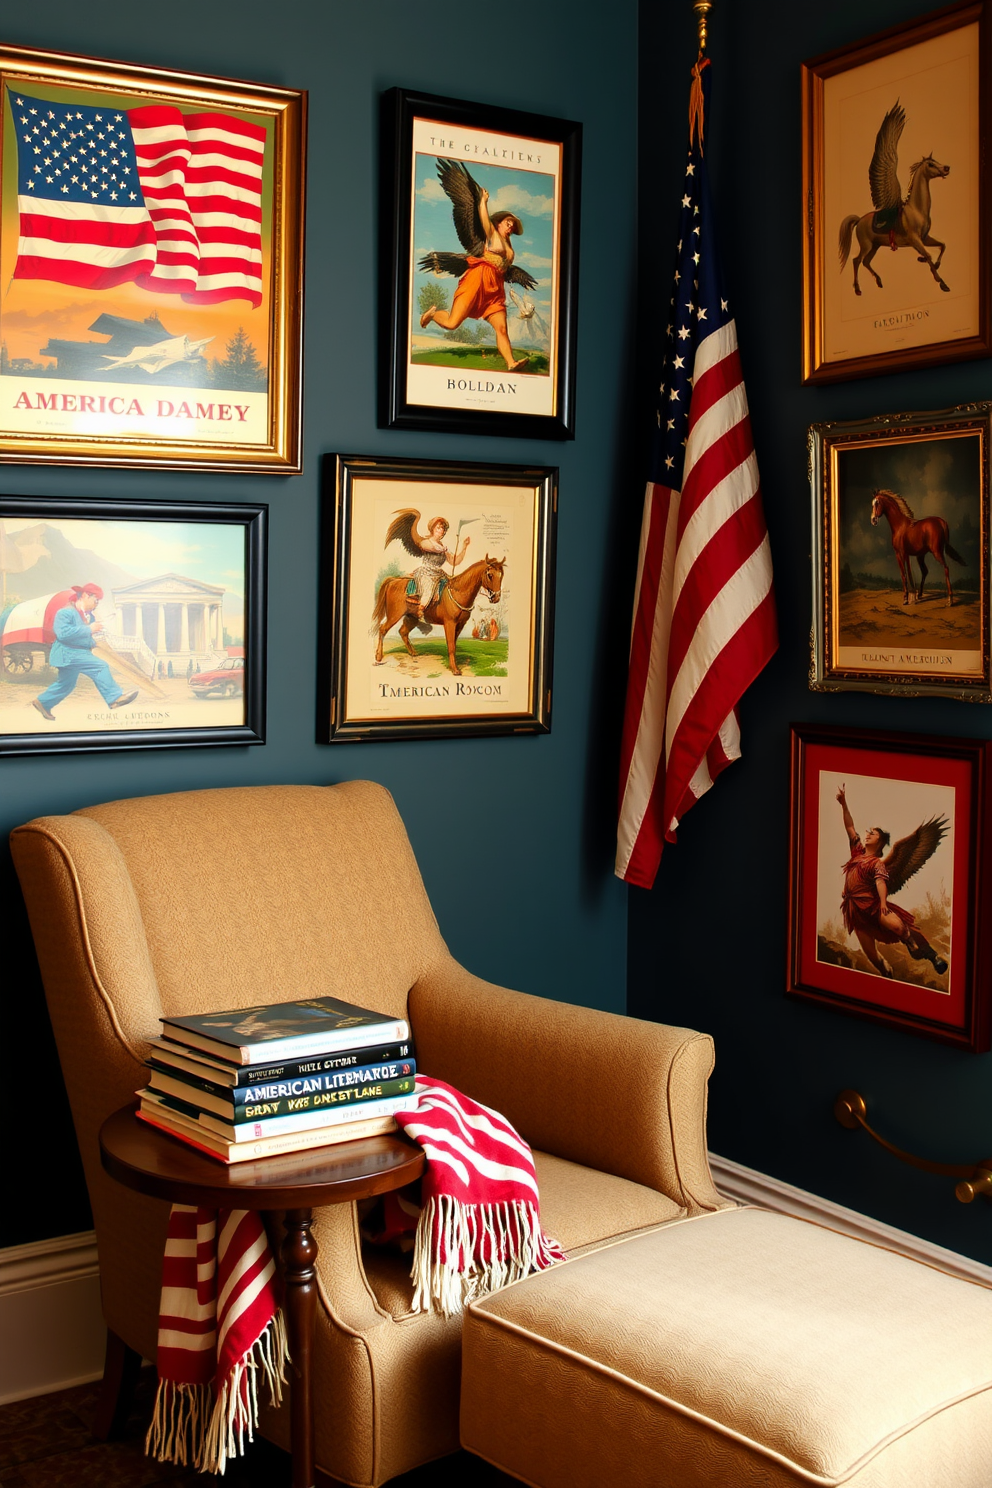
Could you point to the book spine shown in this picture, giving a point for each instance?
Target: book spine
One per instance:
(278, 1098)
(320, 1043)
(323, 1063)
(339, 1105)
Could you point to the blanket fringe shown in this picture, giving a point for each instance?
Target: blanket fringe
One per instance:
(194, 1429)
(463, 1251)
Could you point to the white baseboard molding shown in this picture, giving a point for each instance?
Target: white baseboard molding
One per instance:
(50, 1316)
(748, 1186)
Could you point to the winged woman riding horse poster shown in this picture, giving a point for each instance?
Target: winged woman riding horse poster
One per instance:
(889, 889)
(439, 582)
(150, 266)
(480, 215)
(896, 199)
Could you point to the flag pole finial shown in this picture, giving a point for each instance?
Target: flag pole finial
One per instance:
(702, 9)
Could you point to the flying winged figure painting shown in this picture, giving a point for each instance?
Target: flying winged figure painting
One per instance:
(869, 914)
(897, 222)
(484, 267)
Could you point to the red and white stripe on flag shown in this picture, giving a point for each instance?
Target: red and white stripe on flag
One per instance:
(704, 617)
(201, 177)
(195, 229)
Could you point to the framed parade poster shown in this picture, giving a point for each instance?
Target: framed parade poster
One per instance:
(438, 584)
(130, 625)
(899, 932)
(901, 554)
(151, 267)
(479, 213)
(896, 199)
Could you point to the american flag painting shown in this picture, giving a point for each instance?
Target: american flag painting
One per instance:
(169, 201)
(704, 616)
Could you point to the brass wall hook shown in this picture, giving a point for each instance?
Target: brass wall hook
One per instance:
(976, 1178)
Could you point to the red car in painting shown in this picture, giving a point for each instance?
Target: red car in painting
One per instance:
(226, 680)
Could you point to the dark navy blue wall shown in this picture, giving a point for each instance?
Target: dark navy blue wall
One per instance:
(531, 817)
(707, 945)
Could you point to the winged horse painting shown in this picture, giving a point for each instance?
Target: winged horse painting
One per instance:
(896, 221)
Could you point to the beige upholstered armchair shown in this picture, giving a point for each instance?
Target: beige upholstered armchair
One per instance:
(220, 898)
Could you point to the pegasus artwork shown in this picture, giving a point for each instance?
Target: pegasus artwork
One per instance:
(897, 221)
(869, 913)
(485, 266)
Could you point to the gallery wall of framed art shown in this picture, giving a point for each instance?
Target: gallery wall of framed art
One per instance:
(337, 61)
(711, 943)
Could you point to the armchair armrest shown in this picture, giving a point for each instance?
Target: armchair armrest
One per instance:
(614, 1093)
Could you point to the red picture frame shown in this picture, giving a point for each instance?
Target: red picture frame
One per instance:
(931, 795)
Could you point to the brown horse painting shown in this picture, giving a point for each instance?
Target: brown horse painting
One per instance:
(895, 222)
(912, 539)
(451, 607)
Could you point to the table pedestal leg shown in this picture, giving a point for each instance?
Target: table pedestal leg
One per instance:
(299, 1252)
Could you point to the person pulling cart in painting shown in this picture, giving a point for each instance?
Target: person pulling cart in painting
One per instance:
(76, 634)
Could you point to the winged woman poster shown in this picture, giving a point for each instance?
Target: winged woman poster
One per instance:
(484, 270)
(923, 888)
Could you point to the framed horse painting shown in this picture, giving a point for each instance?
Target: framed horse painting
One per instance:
(901, 554)
(439, 598)
(896, 198)
(889, 885)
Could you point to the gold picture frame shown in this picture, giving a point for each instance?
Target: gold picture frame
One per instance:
(439, 600)
(894, 158)
(887, 493)
(161, 212)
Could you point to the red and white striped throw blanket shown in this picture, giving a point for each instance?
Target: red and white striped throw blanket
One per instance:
(220, 1324)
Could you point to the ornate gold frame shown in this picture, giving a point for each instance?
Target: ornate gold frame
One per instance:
(280, 452)
(817, 250)
(825, 441)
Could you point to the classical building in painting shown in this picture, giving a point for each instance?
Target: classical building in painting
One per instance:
(180, 620)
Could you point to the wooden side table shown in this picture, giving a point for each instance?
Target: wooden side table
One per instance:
(145, 1159)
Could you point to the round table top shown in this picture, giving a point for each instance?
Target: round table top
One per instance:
(146, 1159)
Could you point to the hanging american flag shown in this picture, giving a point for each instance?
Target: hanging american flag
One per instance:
(704, 614)
(169, 201)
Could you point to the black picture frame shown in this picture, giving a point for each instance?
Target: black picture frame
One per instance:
(504, 685)
(26, 629)
(549, 408)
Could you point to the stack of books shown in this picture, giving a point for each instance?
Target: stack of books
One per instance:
(285, 1077)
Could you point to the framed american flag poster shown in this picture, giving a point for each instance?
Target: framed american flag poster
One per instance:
(150, 266)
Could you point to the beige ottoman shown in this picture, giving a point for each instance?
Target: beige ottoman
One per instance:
(733, 1350)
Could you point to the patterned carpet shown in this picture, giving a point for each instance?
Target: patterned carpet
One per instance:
(46, 1443)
